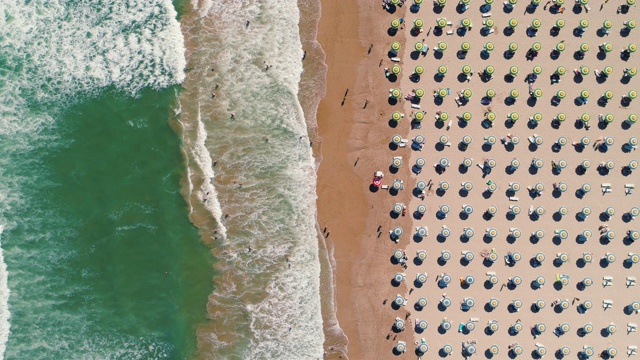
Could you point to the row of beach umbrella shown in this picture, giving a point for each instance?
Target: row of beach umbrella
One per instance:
(509, 3)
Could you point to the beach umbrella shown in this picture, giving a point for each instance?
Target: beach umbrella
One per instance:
(631, 72)
(516, 280)
(490, 94)
(490, 140)
(517, 350)
(396, 93)
(632, 119)
(493, 326)
(587, 328)
(562, 187)
(584, 24)
(444, 209)
(540, 304)
(514, 186)
(539, 211)
(538, 234)
(584, 94)
(421, 254)
(585, 119)
(489, 23)
(441, 22)
(632, 94)
(607, 24)
(606, 47)
(612, 328)
(633, 164)
(418, 23)
(585, 235)
(539, 187)
(562, 141)
(561, 117)
(466, 22)
(609, 165)
(469, 302)
(560, 23)
(468, 256)
(466, 69)
(442, 46)
(422, 348)
(608, 118)
(608, 70)
(564, 351)
(517, 327)
(515, 163)
(468, 232)
(399, 324)
(419, 92)
(398, 278)
(443, 185)
(492, 187)
(467, 162)
(494, 350)
(586, 211)
(422, 231)
(446, 302)
(396, 116)
(442, 93)
(398, 255)
(471, 349)
(541, 351)
(397, 162)
(540, 328)
(397, 208)
(634, 212)
(632, 48)
(395, 23)
(397, 231)
(587, 304)
(419, 69)
(492, 232)
(489, 46)
(587, 282)
(399, 300)
(395, 2)
(421, 185)
(536, 46)
(537, 70)
(491, 163)
(564, 304)
(420, 162)
(513, 47)
(401, 346)
(443, 116)
(516, 304)
(563, 235)
(513, 116)
(563, 210)
(513, 23)
(513, 71)
(467, 186)
(537, 163)
(584, 70)
(539, 281)
(445, 324)
(445, 232)
(515, 210)
(561, 94)
(421, 278)
(610, 258)
(561, 164)
(537, 93)
(492, 210)
(630, 24)
(635, 306)
(562, 257)
(466, 93)
(444, 280)
(560, 47)
(396, 139)
(419, 139)
(421, 209)
(610, 235)
(447, 349)
(611, 352)
(514, 94)
(561, 70)
(536, 23)
(445, 255)
(397, 185)
(419, 116)
(493, 256)
(469, 279)
(540, 257)
(466, 116)
(396, 69)
(588, 351)
(395, 46)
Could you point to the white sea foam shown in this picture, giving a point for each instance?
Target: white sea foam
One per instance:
(265, 179)
(4, 299)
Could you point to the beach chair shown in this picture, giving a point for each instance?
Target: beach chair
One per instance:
(449, 23)
(607, 280)
(491, 31)
(402, 145)
(415, 106)
(607, 304)
(486, 15)
(632, 327)
(631, 281)
(450, 32)
(605, 185)
(513, 198)
(632, 350)
(384, 187)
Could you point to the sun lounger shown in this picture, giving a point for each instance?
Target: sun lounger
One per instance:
(629, 186)
(632, 327)
(395, 59)
(513, 198)
(605, 185)
(415, 106)
(606, 190)
(607, 304)
(632, 350)
(631, 281)
(384, 187)
(607, 280)
(450, 32)
(486, 15)
(450, 23)
(402, 145)
(491, 31)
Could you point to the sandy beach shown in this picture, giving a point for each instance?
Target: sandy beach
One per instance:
(356, 143)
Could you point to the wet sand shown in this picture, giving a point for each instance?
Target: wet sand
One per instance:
(353, 212)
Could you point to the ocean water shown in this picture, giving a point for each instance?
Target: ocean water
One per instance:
(251, 187)
(98, 257)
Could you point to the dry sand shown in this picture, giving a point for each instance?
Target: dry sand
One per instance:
(353, 213)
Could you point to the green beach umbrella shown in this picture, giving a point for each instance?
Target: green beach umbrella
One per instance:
(607, 24)
(418, 23)
(513, 23)
(584, 70)
(513, 47)
(443, 117)
(584, 2)
(489, 70)
(395, 2)
(466, 22)
(419, 46)
(514, 94)
(395, 23)
(466, 116)
(537, 117)
(631, 2)
(561, 94)
(631, 24)
(419, 92)
(584, 47)
(632, 48)
(584, 24)
(559, 2)
(513, 71)
(441, 22)
(442, 2)
(537, 70)
(632, 119)
(536, 2)
(513, 2)
(442, 70)
(418, 2)
(536, 23)
(442, 93)
(631, 72)
(561, 117)
(536, 46)
(419, 116)
(560, 23)
(419, 70)
(442, 46)
(560, 47)
(396, 93)
(560, 70)
(608, 70)
(608, 95)
(584, 94)
(395, 46)
(396, 69)
(466, 93)
(537, 93)
(632, 94)
(396, 116)
(491, 93)
(513, 116)
(489, 46)
(585, 118)
(489, 2)
(489, 23)
(606, 47)
(465, 46)
(466, 69)
(608, 118)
